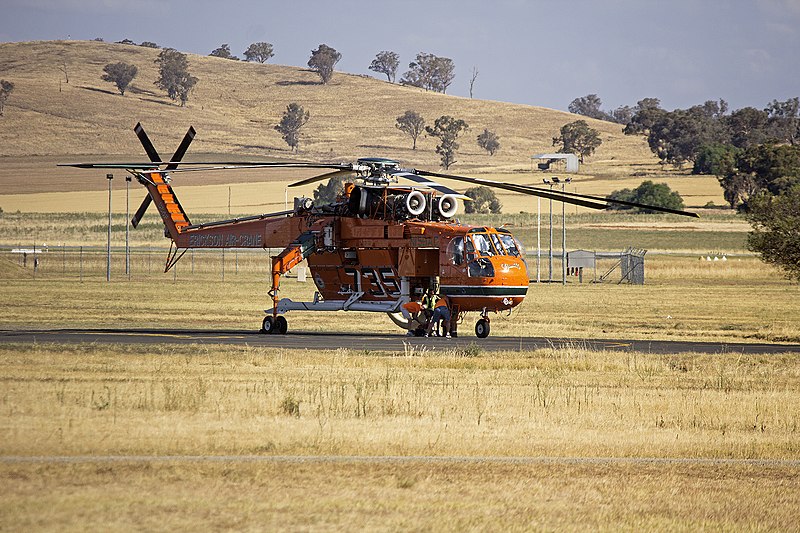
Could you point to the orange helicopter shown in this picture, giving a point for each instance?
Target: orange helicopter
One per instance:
(379, 246)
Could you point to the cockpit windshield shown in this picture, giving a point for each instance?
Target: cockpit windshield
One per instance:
(473, 245)
(510, 244)
(483, 245)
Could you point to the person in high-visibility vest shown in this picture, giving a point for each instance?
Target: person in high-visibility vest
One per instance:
(441, 311)
(428, 301)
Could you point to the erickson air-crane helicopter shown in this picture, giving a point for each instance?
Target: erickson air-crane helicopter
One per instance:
(380, 245)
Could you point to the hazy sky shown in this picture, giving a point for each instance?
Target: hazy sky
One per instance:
(534, 52)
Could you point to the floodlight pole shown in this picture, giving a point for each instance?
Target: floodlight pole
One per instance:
(127, 228)
(550, 253)
(563, 238)
(538, 239)
(108, 242)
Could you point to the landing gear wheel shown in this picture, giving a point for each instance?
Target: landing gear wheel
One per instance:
(268, 325)
(281, 325)
(482, 328)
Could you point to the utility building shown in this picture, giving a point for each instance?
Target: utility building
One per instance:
(545, 160)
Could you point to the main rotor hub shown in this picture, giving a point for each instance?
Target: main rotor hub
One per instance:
(378, 170)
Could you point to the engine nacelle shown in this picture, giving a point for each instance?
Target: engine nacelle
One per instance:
(415, 203)
(362, 201)
(446, 206)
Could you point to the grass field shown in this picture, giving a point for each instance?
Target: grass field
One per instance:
(737, 300)
(205, 400)
(456, 406)
(224, 496)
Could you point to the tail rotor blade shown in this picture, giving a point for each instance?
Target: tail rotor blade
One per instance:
(148, 146)
(140, 212)
(181, 151)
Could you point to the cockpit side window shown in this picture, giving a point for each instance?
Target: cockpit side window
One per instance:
(455, 251)
(481, 268)
(469, 248)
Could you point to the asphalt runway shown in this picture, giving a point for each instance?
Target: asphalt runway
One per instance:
(375, 342)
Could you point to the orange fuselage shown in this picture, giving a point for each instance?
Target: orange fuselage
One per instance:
(478, 268)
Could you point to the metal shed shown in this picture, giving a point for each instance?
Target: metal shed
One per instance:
(630, 263)
(571, 161)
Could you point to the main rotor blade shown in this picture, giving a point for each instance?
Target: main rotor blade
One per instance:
(126, 166)
(562, 196)
(215, 165)
(181, 151)
(140, 212)
(631, 204)
(417, 178)
(554, 195)
(148, 146)
(321, 177)
(236, 165)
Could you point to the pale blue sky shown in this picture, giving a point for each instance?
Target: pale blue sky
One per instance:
(526, 51)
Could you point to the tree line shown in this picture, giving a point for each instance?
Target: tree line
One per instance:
(427, 71)
(753, 153)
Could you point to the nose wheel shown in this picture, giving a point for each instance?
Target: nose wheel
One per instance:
(482, 328)
(274, 325)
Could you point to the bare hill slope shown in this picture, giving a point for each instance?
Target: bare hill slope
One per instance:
(236, 105)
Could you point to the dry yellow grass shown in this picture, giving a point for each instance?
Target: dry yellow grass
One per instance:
(206, 400)
(200, 400)
(739, 300)
(422, 496)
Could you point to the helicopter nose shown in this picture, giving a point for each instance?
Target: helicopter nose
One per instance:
(511, 271)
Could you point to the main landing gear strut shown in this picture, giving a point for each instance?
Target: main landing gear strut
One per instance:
(282, 263)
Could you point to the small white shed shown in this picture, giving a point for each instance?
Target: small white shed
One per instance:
(571, 161)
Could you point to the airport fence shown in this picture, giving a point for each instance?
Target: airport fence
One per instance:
(86, 263)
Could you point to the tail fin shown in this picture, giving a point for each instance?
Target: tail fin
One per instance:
(162, 195)
(152, 153)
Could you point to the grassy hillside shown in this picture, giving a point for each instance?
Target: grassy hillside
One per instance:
(235, 107)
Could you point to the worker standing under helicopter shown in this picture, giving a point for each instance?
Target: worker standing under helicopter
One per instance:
(441, 311)
(428, 303)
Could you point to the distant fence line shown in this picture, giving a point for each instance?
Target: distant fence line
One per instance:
(90, 262)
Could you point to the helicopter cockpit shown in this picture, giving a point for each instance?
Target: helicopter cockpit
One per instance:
(476, 247)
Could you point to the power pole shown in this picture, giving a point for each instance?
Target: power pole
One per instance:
(127, 228)
(564, 237)
(550, 247)
(538, 239)
(108, 242)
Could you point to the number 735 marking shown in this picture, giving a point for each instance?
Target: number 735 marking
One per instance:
(381, 281)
